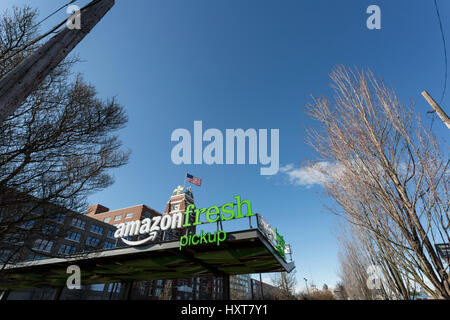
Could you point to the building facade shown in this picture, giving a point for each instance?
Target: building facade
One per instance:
(57, 233)
(95, 231)
(264, 291)
(241, 287)
(197, 288)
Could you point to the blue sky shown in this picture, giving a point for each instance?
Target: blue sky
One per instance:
(248, 64)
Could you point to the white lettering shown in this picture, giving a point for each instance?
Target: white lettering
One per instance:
(166, 222)
(374, 21)
(214, 151)
(74, 22)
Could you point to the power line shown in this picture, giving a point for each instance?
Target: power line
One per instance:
(52, 30)
(55, 12)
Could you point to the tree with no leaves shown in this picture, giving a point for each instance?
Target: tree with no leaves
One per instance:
(56, 148)
(285, 282)
(390, 177)
(166, 293)
(354, 261)
(340, 292)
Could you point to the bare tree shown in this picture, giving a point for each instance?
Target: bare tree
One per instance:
(340, 292)
(285, 282)
(354, 261)
(56, 148)
(390, 177)
(167, 290)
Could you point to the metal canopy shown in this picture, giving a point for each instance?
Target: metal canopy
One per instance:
(243, 252)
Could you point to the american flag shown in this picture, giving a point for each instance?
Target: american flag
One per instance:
(191, 179)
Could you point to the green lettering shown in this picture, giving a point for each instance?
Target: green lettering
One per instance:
(239, 205)
(219, 238)
(187, 215)
(227, 211)
(193, 240)
(203, 238)
(182, 243)
(210, 212)
(209, 237)
(198, 212)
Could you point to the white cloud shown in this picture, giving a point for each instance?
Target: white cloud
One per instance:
(308, 176)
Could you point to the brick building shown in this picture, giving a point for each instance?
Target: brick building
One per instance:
(198, 288)
(95, 231)
(51, 231)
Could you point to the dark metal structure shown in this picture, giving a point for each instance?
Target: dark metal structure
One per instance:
(243, 252)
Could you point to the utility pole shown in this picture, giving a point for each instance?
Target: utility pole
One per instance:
(26, 77)
(437, 108)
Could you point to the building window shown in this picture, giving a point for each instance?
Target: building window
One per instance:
(147, 215)
(117, 218)
(67, 249)
(97, 287)
(108, 245)
(114, 287)
(78, 223)
(111, 234)
(96, 229)
(43, 245)
(27, 225)
(50, 230)
(107, 219)
(73, 236)
(33, 256)
(5, 256)
(129, 215)
(142, 290)
(92, 241)
(15, 238)
(59, 217)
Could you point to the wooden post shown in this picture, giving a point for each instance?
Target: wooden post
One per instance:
(437, 108)
(26, 77)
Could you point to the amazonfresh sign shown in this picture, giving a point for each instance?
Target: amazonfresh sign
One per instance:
(152, 227)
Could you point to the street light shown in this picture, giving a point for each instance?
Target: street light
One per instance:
(306, 282)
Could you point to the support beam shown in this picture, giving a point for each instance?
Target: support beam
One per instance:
(437, 108)
(4, 295)
(226, 287)
(17, 85)
(57, 293)
(261, 286)
(128, 290)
